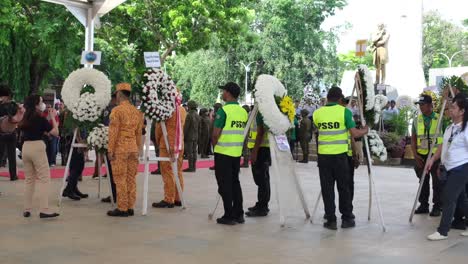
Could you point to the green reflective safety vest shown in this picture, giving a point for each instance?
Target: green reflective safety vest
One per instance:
(253, 136)
(333, 135)
(423, 143)
(231, 141)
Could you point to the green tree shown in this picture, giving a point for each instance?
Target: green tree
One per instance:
(441, 36)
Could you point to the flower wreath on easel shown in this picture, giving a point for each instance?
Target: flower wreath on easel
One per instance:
(275, 106)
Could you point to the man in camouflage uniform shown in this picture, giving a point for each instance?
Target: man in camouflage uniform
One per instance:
(204, 134)
(125, 132)
(191, 128)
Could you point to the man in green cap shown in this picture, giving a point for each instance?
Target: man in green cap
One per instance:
(192, 125)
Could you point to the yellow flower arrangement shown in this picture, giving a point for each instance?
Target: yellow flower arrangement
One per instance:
(287, 107)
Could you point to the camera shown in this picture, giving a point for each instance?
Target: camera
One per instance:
(8, 109)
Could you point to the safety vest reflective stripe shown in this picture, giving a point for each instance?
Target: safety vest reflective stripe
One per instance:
(253, 137)
(350, 150)
(333, 142)
(232, 132)
(333, 135)
(337, 132)
(231, 140)
(230, 144)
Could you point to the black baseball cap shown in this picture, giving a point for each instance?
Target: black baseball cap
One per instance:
(232, 88)
(424, 99)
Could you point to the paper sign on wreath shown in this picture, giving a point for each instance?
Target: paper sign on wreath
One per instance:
(160, 101)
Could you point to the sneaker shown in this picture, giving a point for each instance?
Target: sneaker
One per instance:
(330, 225)
(465, 234)
(435, 212)
(349, 223)
(436, 237)
(225, 221)
(422, 210)
(163, 204)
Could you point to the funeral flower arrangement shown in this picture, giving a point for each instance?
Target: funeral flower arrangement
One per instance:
(275, 106)
(377, 146)
(158, 94)
(86, 108)
(98, 138)
(310, 97)
(379, 103)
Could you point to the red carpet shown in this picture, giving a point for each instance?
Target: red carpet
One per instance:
(88, 171)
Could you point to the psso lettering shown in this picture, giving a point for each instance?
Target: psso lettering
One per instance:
(238, 124)
(329, 125)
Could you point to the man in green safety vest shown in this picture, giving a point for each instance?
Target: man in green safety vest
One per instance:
(424, 129)
(333, 122)
(259, 145)
(228, 139)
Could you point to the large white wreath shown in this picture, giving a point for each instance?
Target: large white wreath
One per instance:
(98, 138)
(158, 95)
(266, 88)
(86, 76)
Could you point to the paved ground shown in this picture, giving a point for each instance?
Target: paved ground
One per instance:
(84, 234)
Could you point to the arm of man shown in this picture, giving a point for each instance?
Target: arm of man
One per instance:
(188, 124)
(114, 126)
(351, 125)
(216, 134)
(258, 143)
(138, 134)
(414, 148)
(219, 123)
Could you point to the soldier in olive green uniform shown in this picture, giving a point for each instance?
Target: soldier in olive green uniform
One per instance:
(304, 135)
(191, 128)
(204, 134)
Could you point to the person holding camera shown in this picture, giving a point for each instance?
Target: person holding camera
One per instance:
(10, 115)
(36, 166)
(453, 153)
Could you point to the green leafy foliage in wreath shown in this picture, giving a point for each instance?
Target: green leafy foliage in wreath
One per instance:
(454, 81)
(369, 115)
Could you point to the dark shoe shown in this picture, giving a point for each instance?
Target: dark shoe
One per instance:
(189, 170)
(163, 204)
(422, 210)
(435, 212)
(348, 223)
(71, 195)
(256, 207)
(178, 203)
(131, 212)
(95, 176)
(330, 225)
(240, 220)
(225, 221)
(14, 178)
(304, 161)
(44, 215)
(156, 172)
(106, 200)
(80, 178)
(118, 213)
(212, 168)
(458, 224)
(257, 213)
(26, 214)
(80, 194)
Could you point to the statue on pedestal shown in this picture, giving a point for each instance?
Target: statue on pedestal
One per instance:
(379, 48)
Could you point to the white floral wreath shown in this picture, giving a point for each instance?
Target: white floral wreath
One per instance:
(266, 88)
(158, 95)
(98, 138)
(377, 146)
(369, 86)
(86, 76)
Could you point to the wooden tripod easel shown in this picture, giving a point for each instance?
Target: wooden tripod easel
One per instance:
(276, 172)
(74, 144)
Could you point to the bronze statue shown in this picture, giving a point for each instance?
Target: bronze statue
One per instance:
(379, 49)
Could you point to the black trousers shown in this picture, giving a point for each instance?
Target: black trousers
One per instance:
(351, 177)
(77, 164)
(335, 168)
(261, 175)
(459, 215)
(227, 175)
(111, 177)
(8, 147)
(454, 195)
(437, 185)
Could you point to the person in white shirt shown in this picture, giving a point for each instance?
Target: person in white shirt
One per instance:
(391, 111)
(454, 166)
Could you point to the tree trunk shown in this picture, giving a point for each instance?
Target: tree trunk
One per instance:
(37, 73)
